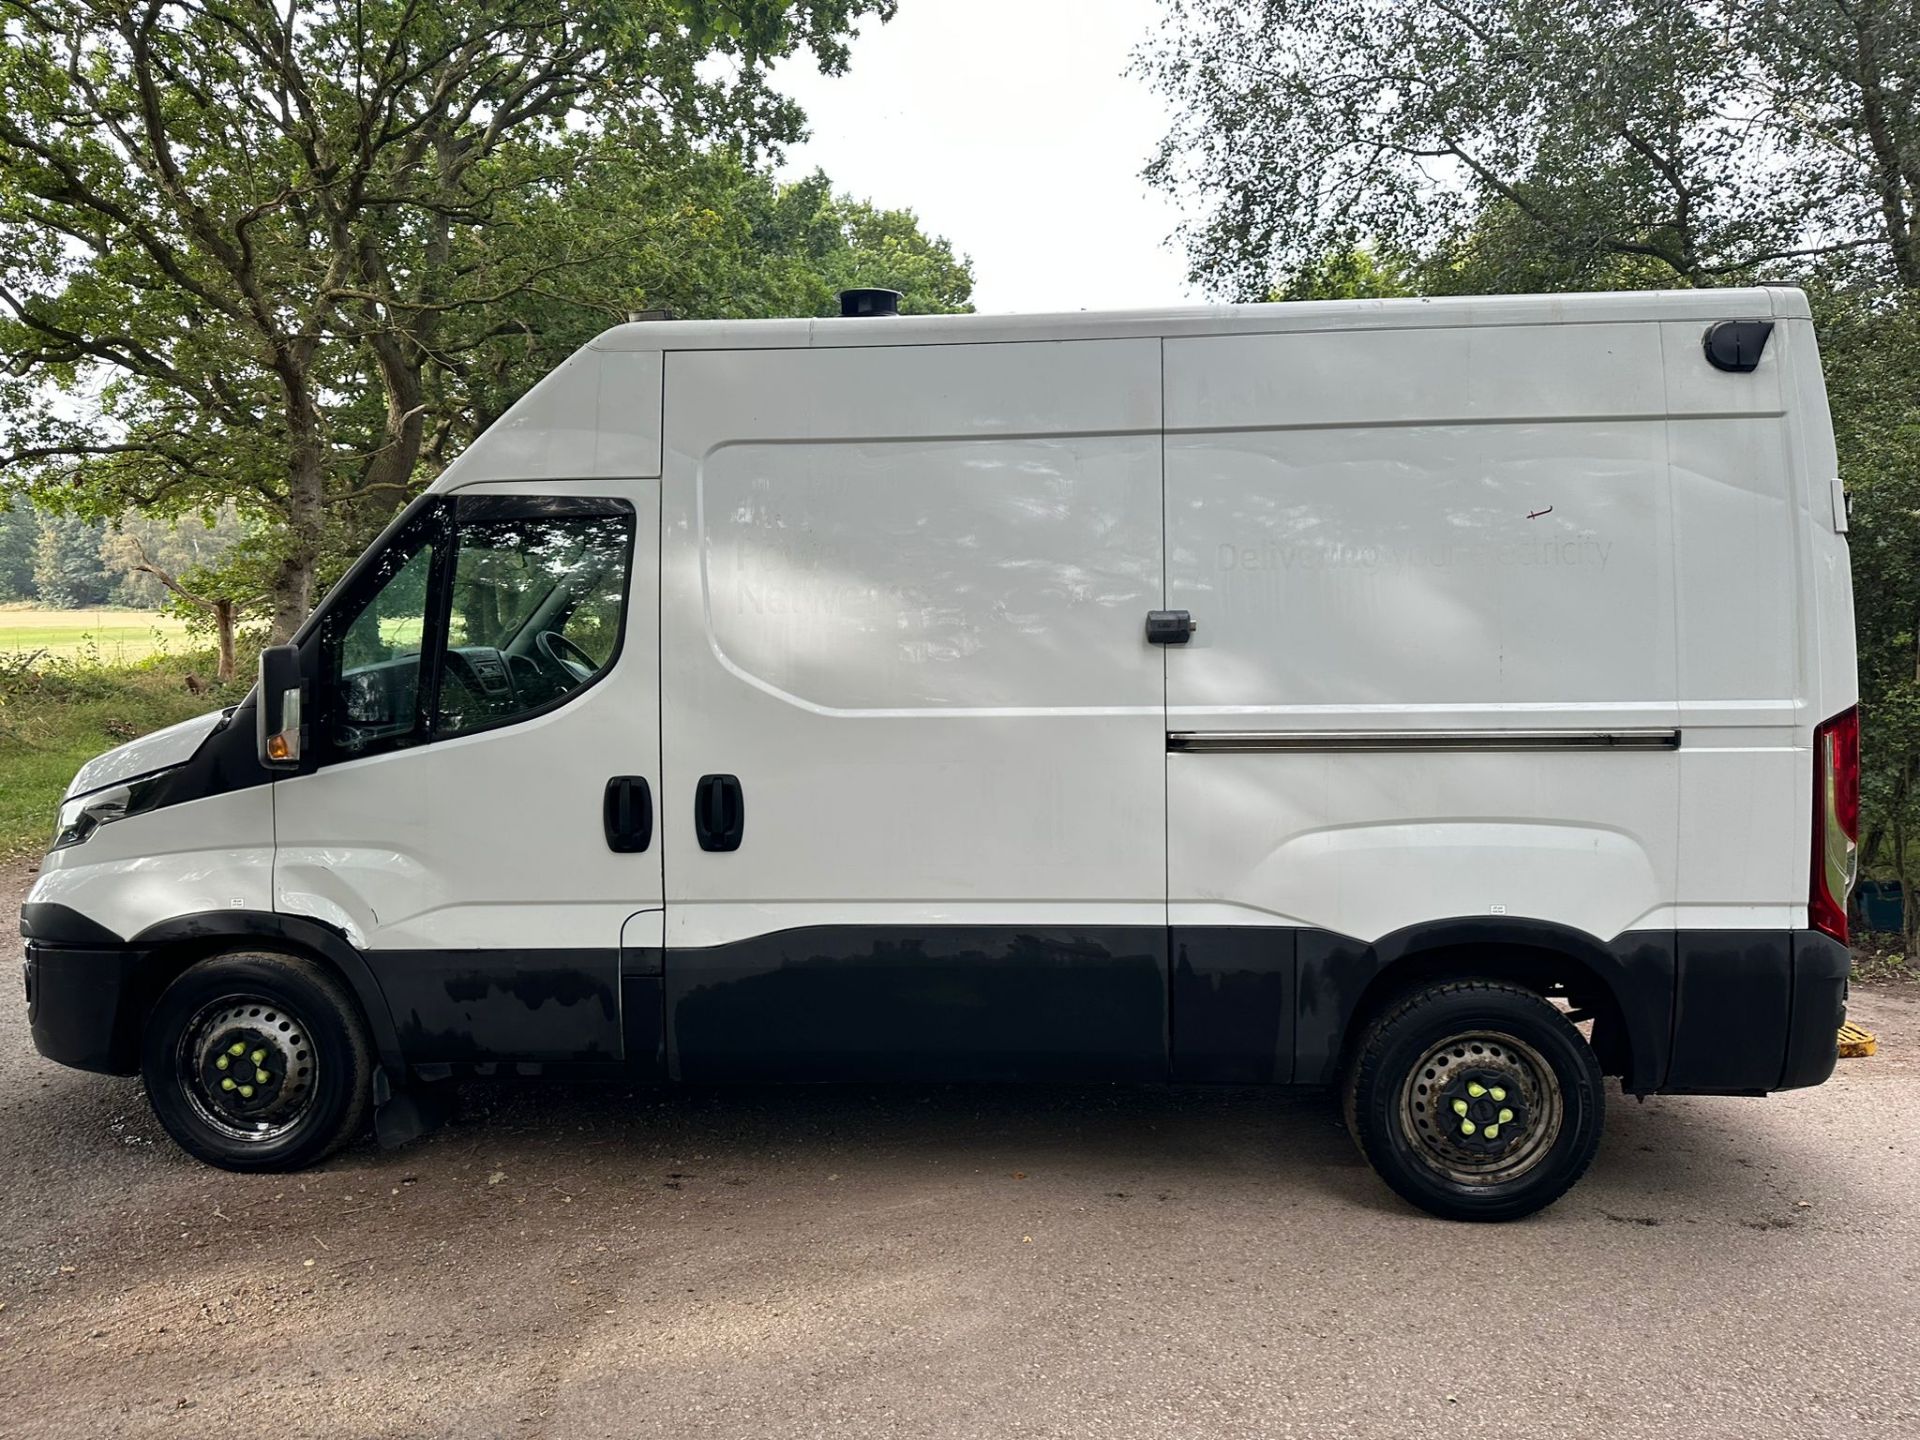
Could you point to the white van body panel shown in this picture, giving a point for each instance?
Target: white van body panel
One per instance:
(1476, 530)
(597, 416)
(902, 598)
(214, 854)
(161, 750)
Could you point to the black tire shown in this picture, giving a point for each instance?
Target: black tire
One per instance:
(1475, 1100)
(311, 1044)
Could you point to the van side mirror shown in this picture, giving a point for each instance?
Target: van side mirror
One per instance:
(282, 729)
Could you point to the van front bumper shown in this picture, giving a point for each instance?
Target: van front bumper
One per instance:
(83, 1005)
(85, 999)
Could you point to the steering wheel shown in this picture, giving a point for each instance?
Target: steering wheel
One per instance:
(566, 656)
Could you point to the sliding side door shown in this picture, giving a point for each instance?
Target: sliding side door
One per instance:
(914, 803)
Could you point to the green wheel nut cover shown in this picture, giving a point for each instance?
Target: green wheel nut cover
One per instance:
(227, 1084)
(239, 1047)
(246, 1092)
(221, 1063)
(1479, 1108)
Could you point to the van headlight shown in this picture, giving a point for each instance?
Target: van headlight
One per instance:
(84, 814)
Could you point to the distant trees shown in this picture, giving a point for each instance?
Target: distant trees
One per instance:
(67, 569)
(66, 561)
(19, 534)
(293, 256)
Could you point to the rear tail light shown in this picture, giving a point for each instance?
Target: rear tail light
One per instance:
(1836, 821)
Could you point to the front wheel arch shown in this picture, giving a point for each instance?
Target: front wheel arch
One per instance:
(258, 1059)
(175, 945)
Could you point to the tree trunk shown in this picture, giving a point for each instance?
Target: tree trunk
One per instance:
(306, 512)
(292, 597)
(223, 631)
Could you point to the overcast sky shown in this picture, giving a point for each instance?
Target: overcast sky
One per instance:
(1009, 128)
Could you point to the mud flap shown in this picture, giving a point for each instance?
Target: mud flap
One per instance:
(402, 1116)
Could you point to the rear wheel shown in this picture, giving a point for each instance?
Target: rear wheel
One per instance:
(1475, 1100)
(258, 1061)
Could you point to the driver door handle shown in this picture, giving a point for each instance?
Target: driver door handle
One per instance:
(719, 812)
(627, 813)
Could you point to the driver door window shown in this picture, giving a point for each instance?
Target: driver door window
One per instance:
(484, 611)
(536, 612)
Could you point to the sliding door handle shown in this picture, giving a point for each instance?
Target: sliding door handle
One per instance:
(1170, 627)
(627, 812)
(719, 812)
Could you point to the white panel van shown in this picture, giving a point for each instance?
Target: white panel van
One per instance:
(1451, 702)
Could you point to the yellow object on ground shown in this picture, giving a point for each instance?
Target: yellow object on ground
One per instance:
(1855, 1042)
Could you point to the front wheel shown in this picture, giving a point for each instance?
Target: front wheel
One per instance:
(258, 1061)
(1475, 1100)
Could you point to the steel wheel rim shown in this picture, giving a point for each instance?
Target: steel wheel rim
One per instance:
(223, 1083)
(1445, 1077)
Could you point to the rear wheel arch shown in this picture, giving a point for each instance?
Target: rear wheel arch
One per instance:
(1630, 1000)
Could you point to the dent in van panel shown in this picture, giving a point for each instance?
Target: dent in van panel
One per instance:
(1421, 565)
(980, 574)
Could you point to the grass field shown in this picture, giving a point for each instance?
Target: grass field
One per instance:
(57, 714)
(111, 637)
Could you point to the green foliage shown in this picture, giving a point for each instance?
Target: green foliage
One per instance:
(293, 256)
(1354, 273)
(1619, 141)
(140, 549)
(1870, 349)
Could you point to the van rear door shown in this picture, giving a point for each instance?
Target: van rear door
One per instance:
(914, 811)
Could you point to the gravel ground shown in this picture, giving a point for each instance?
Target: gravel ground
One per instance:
(943, 1262)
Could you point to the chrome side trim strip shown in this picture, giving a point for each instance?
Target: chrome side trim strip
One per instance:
(1248, 742)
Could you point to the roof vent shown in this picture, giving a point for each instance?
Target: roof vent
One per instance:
(869, 302)
(639, 317)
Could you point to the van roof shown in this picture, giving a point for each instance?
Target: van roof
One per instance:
(1611, 307)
